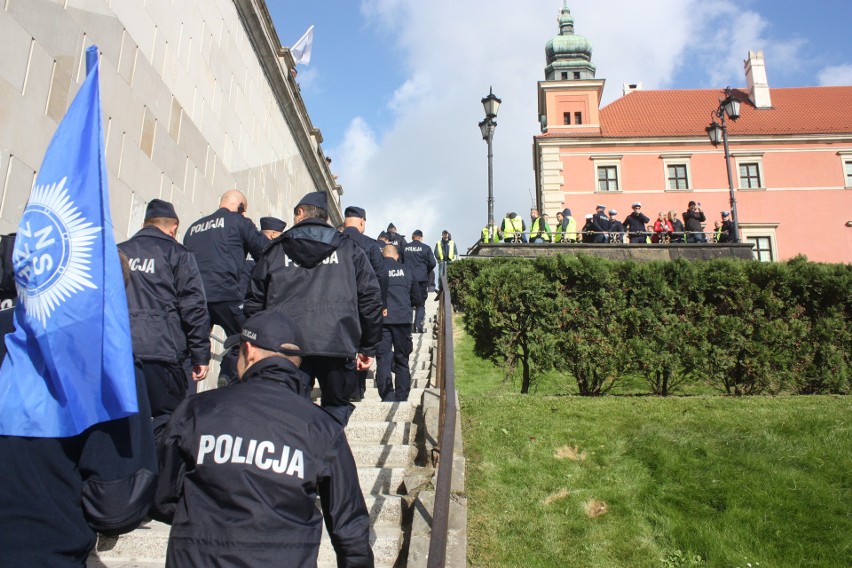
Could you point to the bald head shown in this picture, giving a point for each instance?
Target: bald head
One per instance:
(390, 251)
(232, 199)
(356, 222)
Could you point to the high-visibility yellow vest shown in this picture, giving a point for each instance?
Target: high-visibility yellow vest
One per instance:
(570, 233)
(537, 231)
(513, 227)
(495, 238)
(451, 247)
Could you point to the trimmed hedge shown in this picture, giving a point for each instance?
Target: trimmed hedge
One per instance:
(742, 327)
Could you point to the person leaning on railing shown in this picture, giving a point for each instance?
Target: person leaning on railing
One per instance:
(616, 228)
(677, 228)
(662, 229)
(513, 228)
(693, 217)
(635, 224)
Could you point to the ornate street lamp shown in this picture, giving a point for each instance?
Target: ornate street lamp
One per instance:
(490, 103)
(728, 107)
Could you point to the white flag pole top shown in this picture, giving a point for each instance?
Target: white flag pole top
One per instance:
(301, 50)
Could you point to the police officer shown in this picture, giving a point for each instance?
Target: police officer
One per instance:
(220, 243)
(241, 468)
(168, 312)
(271, 227)
(601, 223)
(419, 259)
(616, 228)
(445, 252)
(354, 225)
(400, 291)
(395, 238)
(324, 281)
(61, 492)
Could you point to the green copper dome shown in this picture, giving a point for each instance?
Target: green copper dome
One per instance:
(569, 56)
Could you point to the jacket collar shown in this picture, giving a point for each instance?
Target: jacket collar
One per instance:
(153, 232)
(275, 369)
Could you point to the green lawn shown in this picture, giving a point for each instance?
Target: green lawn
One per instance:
(559, 480)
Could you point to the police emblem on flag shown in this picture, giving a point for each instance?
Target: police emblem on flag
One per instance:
(53, 250)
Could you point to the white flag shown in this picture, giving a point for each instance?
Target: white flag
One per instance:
(301, 51)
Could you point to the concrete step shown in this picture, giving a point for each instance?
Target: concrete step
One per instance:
(372, 455)
(147, 543)
(420, 363)
(146, 546)
(419, 380)
(382, 480)
(358, 432)
(372, 394)
(377, 411)
(385, 542)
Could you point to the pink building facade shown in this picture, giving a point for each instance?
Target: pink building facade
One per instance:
(791, 154)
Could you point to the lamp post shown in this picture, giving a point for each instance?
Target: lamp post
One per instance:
(728, 107)
(490, 103)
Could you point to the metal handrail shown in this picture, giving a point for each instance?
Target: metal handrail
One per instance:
(446, 375)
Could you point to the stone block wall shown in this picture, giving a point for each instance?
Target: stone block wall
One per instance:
(193, 104)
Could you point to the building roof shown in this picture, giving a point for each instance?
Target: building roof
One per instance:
(649, 114)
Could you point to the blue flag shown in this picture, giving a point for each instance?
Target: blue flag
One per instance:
(69, 363)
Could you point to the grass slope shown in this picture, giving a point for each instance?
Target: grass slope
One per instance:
(644, 481)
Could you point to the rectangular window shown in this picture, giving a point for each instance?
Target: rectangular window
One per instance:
(576, 74)
(566, 118)
(678, 178)
(749, 175)
(578, 118)
(607, 178)
(762, 250)
(847, 168)
(565, 75)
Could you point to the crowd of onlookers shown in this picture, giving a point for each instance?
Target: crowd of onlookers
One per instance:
(604, 226)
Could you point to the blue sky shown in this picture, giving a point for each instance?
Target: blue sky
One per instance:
(395, 85)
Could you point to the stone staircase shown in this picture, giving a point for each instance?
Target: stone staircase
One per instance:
(388, 446)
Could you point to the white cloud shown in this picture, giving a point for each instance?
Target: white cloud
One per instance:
(411, 93)
(428, 168)
(835, 75)
(355, 154)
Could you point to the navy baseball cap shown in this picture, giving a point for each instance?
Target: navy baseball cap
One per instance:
(272, 224)
(353, 211)
(160, 208)
(317, 199)
(269, 330)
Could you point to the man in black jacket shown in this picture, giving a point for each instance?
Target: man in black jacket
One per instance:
(693, 217)
(59, 492)
(354, 225)
(242, 467)
(220, 243)
(323, 280)
(395, 238)
(635, 224)
(400, 291)
(271, 227)
(419, 258)
(601, 222)
(168, 312)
